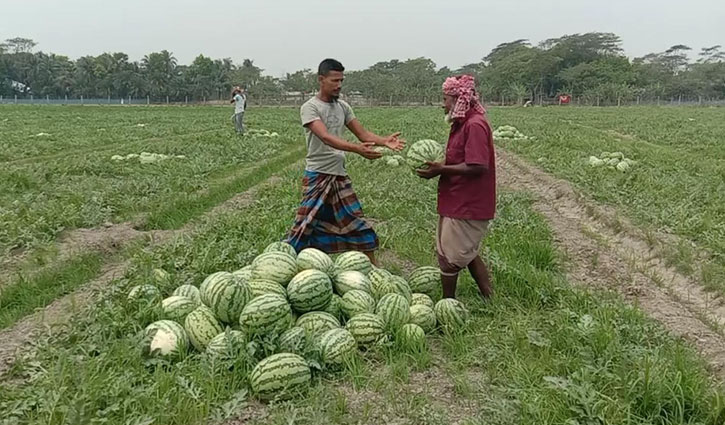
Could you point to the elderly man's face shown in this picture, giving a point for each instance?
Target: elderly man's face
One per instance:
(449, 102)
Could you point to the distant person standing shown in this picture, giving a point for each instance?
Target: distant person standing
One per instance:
(239, 99)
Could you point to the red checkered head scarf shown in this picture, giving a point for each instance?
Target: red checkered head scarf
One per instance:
(463, 87)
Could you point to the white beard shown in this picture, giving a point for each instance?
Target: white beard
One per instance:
(447, 119)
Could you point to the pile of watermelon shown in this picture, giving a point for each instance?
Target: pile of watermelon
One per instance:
(303, 304)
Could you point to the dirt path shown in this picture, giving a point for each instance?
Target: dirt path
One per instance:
(60, 311)
(604, 258)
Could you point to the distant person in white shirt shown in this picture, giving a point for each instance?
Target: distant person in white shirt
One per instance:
(239, 99)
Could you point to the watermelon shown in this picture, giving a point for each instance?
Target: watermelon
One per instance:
(425, 280)
(309, 290)
(421, 299)
(165, 338)
(394, 309)
(202, 327)
(382, 283)
(226, 297)
(161, 276)
(450, 313)
(411, 335)
(356, 302)
(351, 280)
(244, 274)
(314, 259)
(366, 328)
(266, 313)
(334, 306)
(423, 316)
(189, 291)
(176, 307)
(281, 247)
(401, 287)
(280, 376)
(148, 293)
(209, 286)
(261, 287)
(228, 344)
(275, 266)
(353, 261)
(424, 151)
(317, 322)
(293, 340)
(337, 345)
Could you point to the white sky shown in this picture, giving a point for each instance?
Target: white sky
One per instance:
(288, 35)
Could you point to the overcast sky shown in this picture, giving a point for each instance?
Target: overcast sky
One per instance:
(287, 35)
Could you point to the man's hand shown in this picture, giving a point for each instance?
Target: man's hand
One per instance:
(434, 169)
(394, 142)
(366, 150)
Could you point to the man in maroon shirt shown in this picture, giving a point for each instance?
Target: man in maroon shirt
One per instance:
(467, 186)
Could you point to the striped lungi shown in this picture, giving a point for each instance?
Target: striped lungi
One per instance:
(330, 217)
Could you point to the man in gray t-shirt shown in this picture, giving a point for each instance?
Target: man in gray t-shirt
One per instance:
(330, 217)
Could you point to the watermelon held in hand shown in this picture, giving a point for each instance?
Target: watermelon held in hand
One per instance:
(424, 151)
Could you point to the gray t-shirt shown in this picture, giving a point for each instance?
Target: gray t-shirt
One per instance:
(239, 103)
(322, 158)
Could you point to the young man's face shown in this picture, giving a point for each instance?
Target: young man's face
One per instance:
(331, 84)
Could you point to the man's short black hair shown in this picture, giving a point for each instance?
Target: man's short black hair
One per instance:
(328, 65)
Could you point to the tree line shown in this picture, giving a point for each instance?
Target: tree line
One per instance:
(588, 66)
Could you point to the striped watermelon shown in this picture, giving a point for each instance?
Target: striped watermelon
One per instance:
(176, 307)
(244, 274)
(450, 313)
(228, 344)
(165, 338)
(334, 306)
(366, 328)
(317, 322)
(314, 259)
(161, 276)
(266, 313)
(293, 340)
(394, 310)
(278, 267)
(356, 302)
(281, 247)
(424, 151)
(225, 296)
(411, 336)
(382, 283)
(425, 280)
(202, 327)
(353, 261)
(147, 293)
(401, 287)
(261, 287)
(212, 281)
(421, 299)
(309, 290)
(350, 280)
(337, 345)
(280, 376)
(189, 291)
(423, 316)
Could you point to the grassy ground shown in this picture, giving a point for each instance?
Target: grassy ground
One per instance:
(542, 353)
(677, 188)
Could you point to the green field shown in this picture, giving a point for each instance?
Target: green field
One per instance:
(543, 352)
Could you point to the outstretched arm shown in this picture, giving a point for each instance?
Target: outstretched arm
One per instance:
(392, 142)
(437, 169)
(317, 127)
